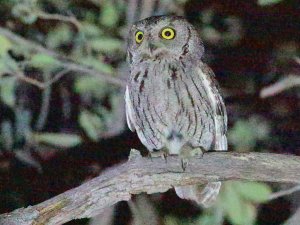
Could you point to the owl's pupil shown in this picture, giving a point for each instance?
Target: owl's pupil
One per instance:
(168, 33)
(140, 36)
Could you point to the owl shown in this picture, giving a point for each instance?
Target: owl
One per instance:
(172, 98)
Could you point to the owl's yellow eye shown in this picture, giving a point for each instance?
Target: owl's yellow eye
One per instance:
(139, 36)
(168, 33)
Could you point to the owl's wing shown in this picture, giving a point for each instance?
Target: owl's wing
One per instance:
(131, 121)
(129, 111)
(217, 104)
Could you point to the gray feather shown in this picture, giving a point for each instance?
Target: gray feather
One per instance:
(172, 98)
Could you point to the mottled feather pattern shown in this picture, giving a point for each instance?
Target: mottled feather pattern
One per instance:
(174, 99)
(218, 106)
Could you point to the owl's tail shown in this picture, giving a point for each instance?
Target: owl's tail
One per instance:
(205, 197)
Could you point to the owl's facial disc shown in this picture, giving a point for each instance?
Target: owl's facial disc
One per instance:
(163, 37)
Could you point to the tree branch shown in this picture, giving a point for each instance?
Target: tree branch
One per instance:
(286, 83)
(153, 176)
(69, 19)
(284, 192)
(294, 219)
(65, 62)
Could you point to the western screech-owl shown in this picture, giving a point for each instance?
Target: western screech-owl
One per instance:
(172, 98)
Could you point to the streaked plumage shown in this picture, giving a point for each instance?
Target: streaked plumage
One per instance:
(172, 98)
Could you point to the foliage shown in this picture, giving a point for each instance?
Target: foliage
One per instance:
(245, 134)
(45, 106)
(268, 2)
(56, 139)
(238, 200)
(7, 90)
(88, 45)
(91, 123)
(43, 61)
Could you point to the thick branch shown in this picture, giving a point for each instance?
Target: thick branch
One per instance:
(152, 176)
(294, 219)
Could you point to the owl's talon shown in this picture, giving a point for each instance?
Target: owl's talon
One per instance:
(188, 153)
(161, 153)
(184, 163)
(149, 156)
(164, 156)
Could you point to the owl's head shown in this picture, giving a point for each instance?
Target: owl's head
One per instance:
(163, 37)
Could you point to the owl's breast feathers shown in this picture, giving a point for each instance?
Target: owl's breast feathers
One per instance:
(167, 99)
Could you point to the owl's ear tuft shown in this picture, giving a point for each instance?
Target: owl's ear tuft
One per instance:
(198, 43)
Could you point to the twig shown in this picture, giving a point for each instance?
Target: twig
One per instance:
(152, 176)
(65, 96)
(280, 86)
(56, 77)
(85, 70)
(42, 85)
(64, 61)
(70, 19)
(284, 192)
(147, 9)
(44, 109)
(27, 43)
(21, 76)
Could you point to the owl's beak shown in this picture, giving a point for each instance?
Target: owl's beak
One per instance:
(152, 47)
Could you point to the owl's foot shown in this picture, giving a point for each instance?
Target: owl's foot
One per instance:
(163, 153)
(187, 153)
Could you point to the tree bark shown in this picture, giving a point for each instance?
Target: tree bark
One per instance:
(152, 176)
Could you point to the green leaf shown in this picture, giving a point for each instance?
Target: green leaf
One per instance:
(268, 2)
(91, 123)
(91, 30)
(90, 84)
(5, 45)
(249, 214)
(24, 155)
(25, 11)
(233, 205)
(106, 44)
(11, 64)
(61, 34)
(43, 61)
(7, 135)
(57, 139)
(8, 64)
(168, 220)
(236, 208)
(7, 90)
(253, 191)
(109, 14)
(207, 219)
(245, 133)
(22, 123)
(3, 67)
(98, 65)
(242, 136)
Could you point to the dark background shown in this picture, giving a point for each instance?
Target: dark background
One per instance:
(249, 46)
